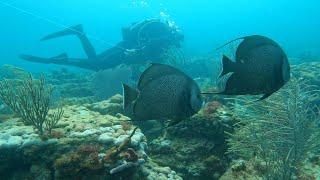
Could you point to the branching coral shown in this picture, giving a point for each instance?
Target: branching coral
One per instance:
(31, 101)
(280, 131)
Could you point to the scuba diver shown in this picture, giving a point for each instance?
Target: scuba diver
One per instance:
(141, 42)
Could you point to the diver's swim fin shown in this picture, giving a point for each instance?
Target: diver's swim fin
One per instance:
(61, 56)
(55, 59)
(61, 59)
(35, 59)
(78, 31)
(73, 30)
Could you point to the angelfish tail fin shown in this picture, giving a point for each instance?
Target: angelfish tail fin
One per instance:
(73, 30)
(227, 66)
(129, 95)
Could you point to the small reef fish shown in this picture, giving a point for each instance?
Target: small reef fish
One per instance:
(260, 67)
(163, 92)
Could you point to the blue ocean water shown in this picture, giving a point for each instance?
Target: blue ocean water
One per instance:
(95, 124)
(206, 24)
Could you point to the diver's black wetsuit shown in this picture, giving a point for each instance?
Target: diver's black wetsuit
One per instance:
(142, 42)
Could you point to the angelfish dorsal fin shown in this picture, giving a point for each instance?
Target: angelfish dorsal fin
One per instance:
(155, 71)
(129, 95)
(229, 42)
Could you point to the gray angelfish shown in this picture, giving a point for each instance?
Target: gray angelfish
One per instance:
(260, 67)
(163, 92)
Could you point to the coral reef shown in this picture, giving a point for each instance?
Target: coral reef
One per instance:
(309, 72)
(88, 86)
(78, 150)
(196, 147)
(94, 140)
(112, 106)
(11, 72)
(70, 84)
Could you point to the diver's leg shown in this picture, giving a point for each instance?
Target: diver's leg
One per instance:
(78, 31)
(62, 60)
(87, 46)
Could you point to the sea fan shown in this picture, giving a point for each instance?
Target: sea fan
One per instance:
(281, 130)
(108, 82)
(31, 102)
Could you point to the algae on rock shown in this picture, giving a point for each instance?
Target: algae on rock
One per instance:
(31, 101)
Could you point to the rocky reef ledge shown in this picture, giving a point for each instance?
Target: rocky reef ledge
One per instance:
(91, 141)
